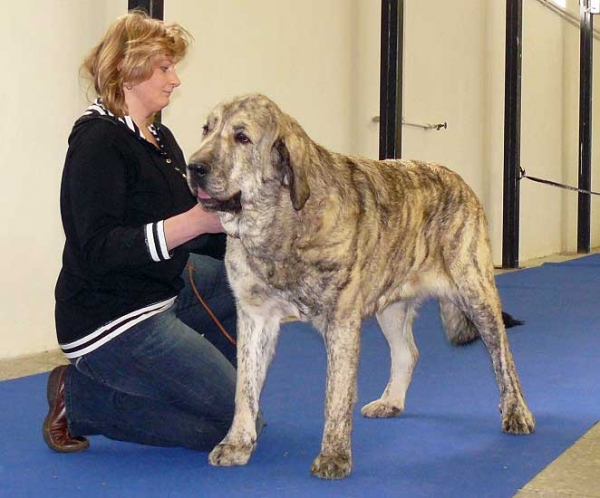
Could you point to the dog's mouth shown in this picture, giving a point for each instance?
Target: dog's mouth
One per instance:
(231, 205)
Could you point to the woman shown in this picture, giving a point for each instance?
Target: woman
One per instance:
(147, 363)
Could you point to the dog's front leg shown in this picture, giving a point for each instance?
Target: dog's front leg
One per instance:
(257, 336)
(343, 344)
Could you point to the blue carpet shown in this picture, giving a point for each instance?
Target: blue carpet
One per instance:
(447, 443)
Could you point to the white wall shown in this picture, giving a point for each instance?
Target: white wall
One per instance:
(320, 61)
(42, 46)
(454, 72)
(542, 129)
(444, 81)
(570, 133)
(297, 53)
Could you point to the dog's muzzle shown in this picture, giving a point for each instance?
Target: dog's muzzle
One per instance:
(198, 170)
(197, 179)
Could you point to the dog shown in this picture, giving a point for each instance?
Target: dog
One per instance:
(331, 239)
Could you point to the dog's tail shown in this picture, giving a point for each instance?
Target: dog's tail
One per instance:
(510, 321)
(460, 329)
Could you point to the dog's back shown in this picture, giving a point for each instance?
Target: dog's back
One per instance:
(408, 228)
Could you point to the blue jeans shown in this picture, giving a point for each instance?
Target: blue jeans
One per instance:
(168, 381)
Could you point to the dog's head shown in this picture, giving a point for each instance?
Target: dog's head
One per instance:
(250, 149)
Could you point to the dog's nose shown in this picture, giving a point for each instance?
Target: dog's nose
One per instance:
(198, 169)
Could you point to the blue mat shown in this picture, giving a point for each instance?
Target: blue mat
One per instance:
(447, 443)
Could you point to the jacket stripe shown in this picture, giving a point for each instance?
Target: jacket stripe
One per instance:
(150, 242)
(113, 329)
(162, 240)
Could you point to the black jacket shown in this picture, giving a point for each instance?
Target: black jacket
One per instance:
(116, 190)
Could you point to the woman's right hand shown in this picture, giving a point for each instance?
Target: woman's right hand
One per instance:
(210, 220)
(188, 225)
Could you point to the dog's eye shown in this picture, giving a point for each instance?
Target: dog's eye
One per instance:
(242, 138)
(205, 130)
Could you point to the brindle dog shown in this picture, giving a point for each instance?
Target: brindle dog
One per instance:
(333, 239)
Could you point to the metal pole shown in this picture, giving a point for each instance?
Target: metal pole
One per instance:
(512, 134)
(390, 98)
(586, 59)
(154, 8)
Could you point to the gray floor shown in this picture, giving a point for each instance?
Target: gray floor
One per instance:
(575, 473)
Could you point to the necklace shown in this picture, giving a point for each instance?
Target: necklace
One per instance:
(163, 152)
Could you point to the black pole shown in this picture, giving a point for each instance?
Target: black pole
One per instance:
(512, 134)
(390, 98)
(586, 58)
(154, 8)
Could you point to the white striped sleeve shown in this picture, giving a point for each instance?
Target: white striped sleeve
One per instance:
(162, 240)
(156, 241)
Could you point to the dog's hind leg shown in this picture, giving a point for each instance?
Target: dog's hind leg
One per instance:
(396, 323)
(258, 330)
(482, 305)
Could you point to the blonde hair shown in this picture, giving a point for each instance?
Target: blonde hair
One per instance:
(127, 54)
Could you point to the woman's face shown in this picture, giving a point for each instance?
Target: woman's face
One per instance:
(152, 95)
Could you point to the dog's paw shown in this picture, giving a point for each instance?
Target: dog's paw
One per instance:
(381, 409)
(336, 466)
(227, 455)
(519, 420)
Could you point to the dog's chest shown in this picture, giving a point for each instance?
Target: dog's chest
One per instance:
(309, 287)
(295, 279)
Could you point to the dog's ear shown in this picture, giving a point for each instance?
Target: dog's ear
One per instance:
(289, 158)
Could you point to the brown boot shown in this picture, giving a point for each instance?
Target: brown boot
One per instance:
(55, 430)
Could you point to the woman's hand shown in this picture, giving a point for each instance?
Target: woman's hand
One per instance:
(186, 226)
(211, 220)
